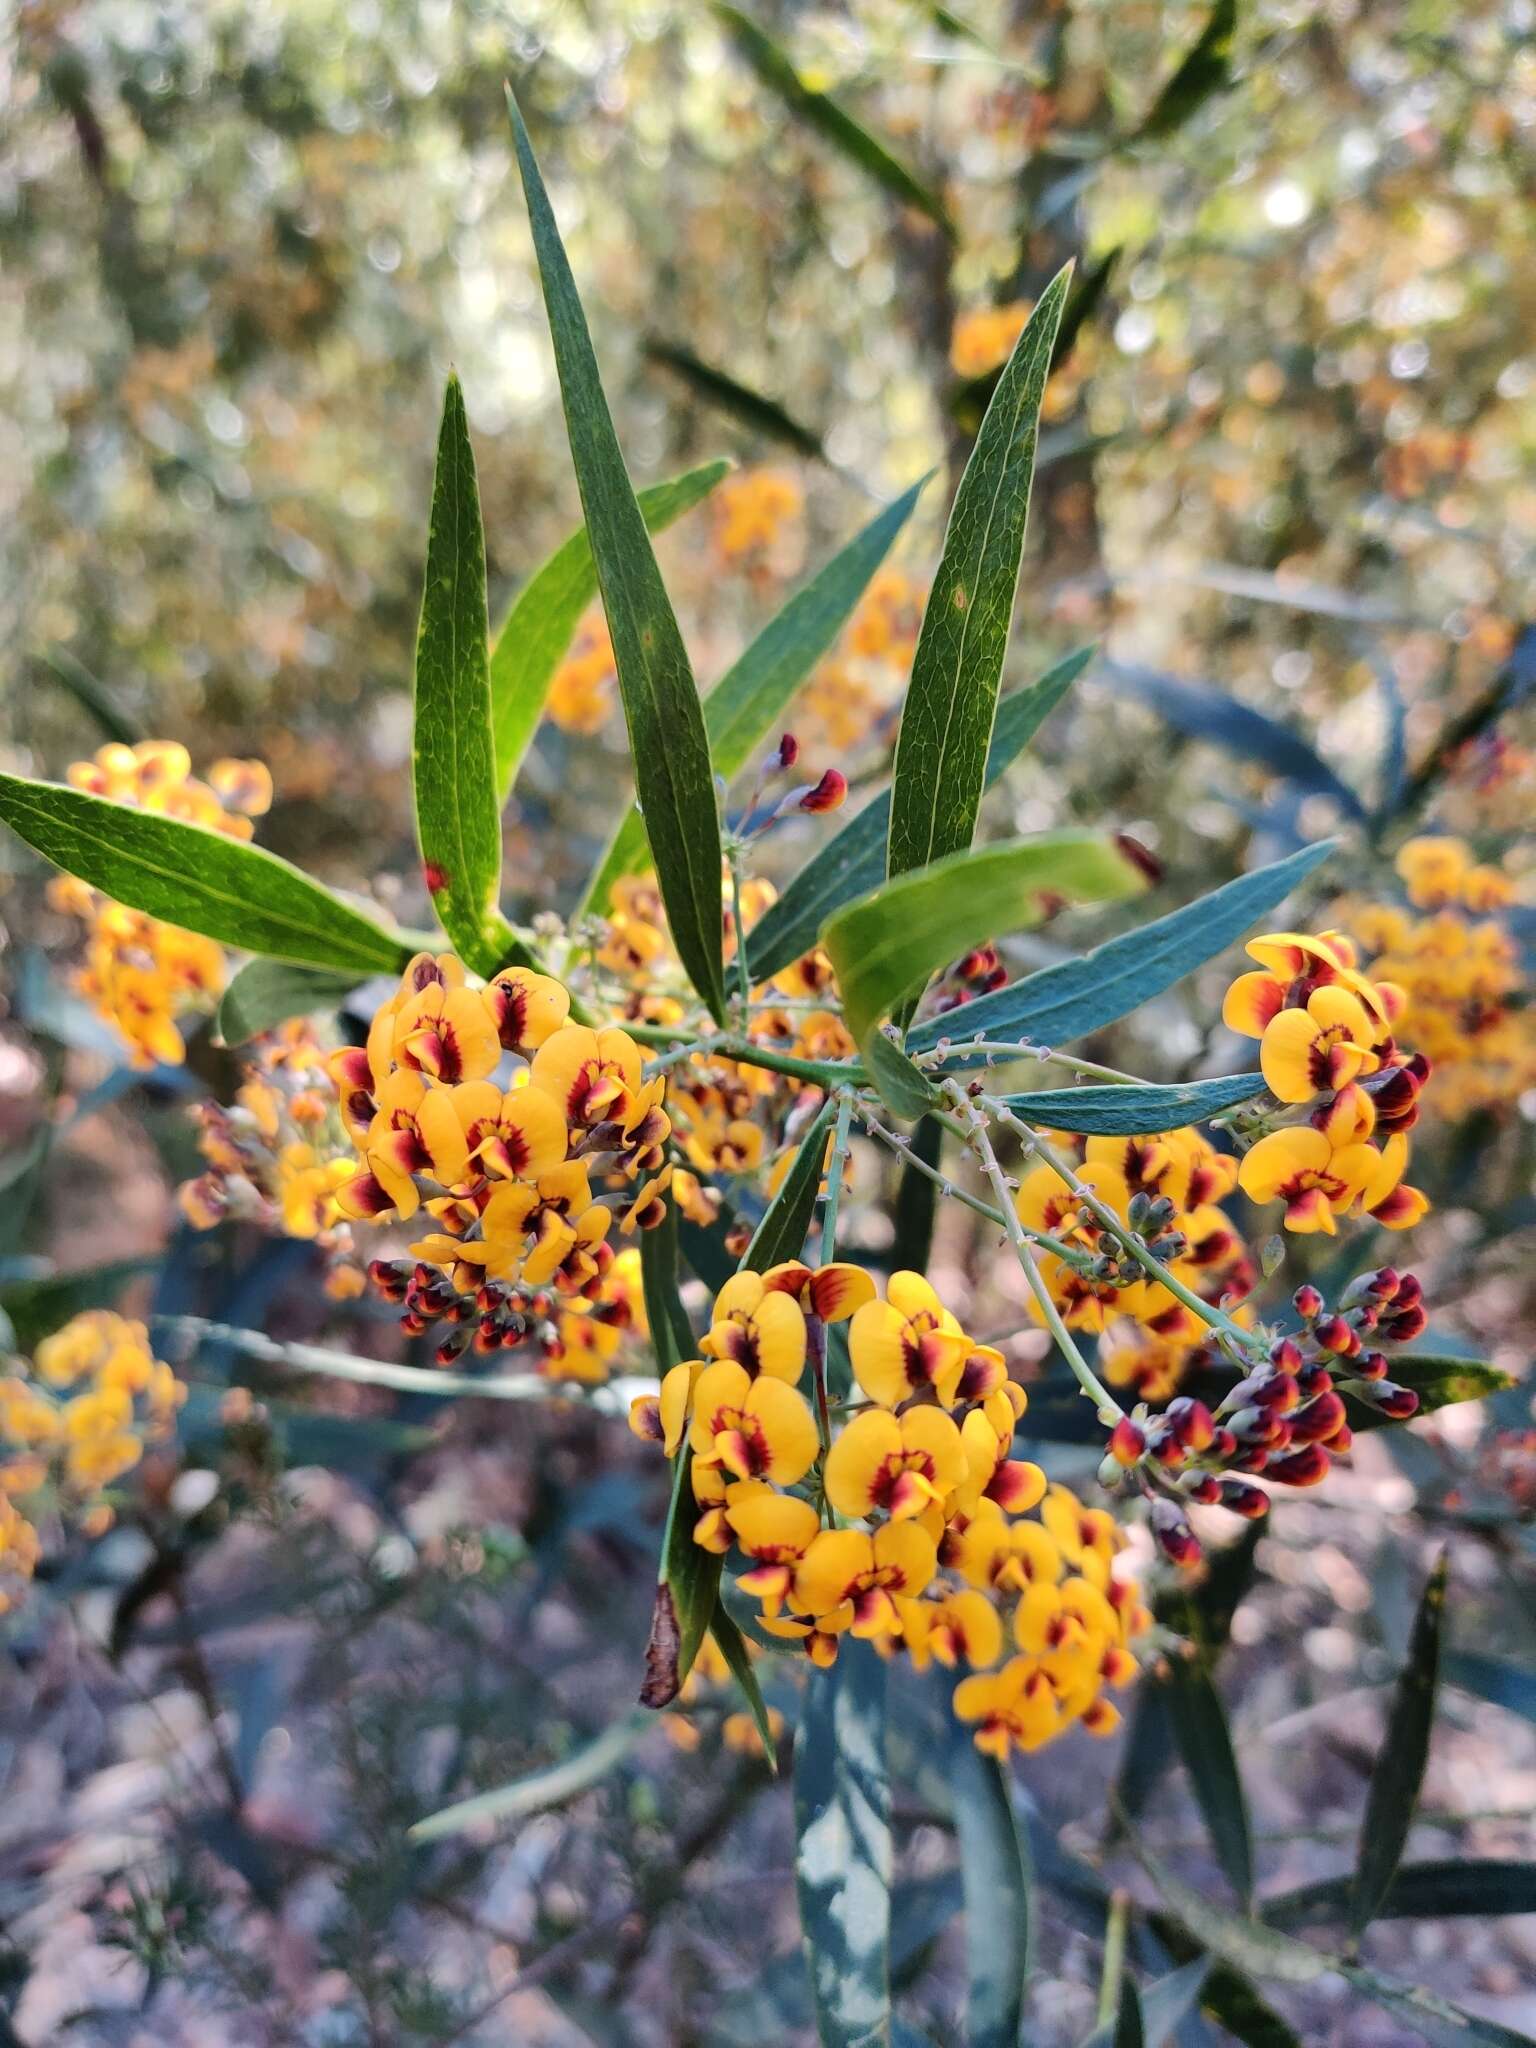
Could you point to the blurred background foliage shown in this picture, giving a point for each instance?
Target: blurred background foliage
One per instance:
(1288, 465)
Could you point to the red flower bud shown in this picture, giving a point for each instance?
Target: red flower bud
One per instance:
(1306, 1466)
(1397, 1402)
(1175, 1538)
(1371, 1365)
(1314, 1379)
(1336, 1336)
(1242, 1499)
(789, 750)
(828, 795)
(1191, 1422)
(1127, 1441)
(1319, 1421)
(1204, 1487)
(1307, 1302)
(1285, 1354)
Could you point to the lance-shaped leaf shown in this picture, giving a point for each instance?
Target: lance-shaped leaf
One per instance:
(1128, 1110)
(92, 696)
(843, 1848)
(1075, 997)
(822, 113)
(884, 947)
(786, 1221)
(1438, 1888)
(996, 1880)
(738, 401)
(1204, 70)
(732, 1645)
(1439, 1383)
(538, 1790)
(1198, 1722)
(266, 993)
(854, 862)
(951, 702)
(538, 626)
(661, 704)
(458, 807)
(1219, 720)
(199, 879)
(36, 1307)
(688, 1578)
(747, 702)
(1399, 1769)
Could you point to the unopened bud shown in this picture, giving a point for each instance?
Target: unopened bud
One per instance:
(829, 794)
(1127, 1441)
(1336, 1336)
(1394, 1401)
(1319, 1421)
(1175, 1538)
(1243, 1499)
(1307, 1465)
(1203, 1487)
(1192, 1423)
(1307, 1302)
(1371, 1365)
(789, 750)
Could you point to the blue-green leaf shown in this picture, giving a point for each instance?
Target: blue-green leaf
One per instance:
(266, 993)
(1204, 70)
(946, 721)
(1220, 720)
(91, 695)
(1127, 1110)
(996, 1879)
(661, 704)
(853, 863)
(751, 409)
(585, 1767)
(1075, 997)
(1199, 1724)
(458, 807)
(538, 626)
(1435, 1889)
(749, 699)
(688, 1577)
(732, 1646)
(1399, 1769)
(199, 879)
(843, 1848)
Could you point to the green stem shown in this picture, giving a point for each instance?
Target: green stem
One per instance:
(823, 1073)
(979, 1140)
(835, 1179)
(1114, 1957)
(904, 1151)
(743, 978)
(1044, 1055)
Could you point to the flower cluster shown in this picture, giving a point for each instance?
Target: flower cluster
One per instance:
(753, 510)
(279, 1155)
(908, 1524)
(1460, 969)
(518, 1137)
(581, 690)
(142, 975)
(1326, 1043)
(73, 1423)
(1285, 1420)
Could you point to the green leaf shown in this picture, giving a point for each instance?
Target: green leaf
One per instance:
(946, 721)
(1198, 1722)
(885, 946)
(969, 401)
(38, 1307)
(543, 616)
(917, 1200)
(458, 807)
(843, 1848)
(552, 1786)
(1438, 1888)
(1248, 1946)
(997, 1882)
(750, 697)
(1435, 2019)
(822, 113)
(787, 1220)
(266, 993)
(661, 704)
(672, 1336)
(1399, 1769)
(1204, 70)
(1168, 2002)
(759, 415)
(904, 1089)
(854, 862)
(1075, 997)
(91, 695)
(733, 1648)
(1127, 2029)
(199, 879)
(1125, 1111)
(1439, 1382)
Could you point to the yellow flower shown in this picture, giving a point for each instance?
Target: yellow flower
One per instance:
(447, 1032)
(850, 1580)
(1434, 870)
(760, 1327)
(983, 339)
(956, 1625)
(512, 1134)
(526, 1008)
(1315, 1180)
(1017, 1708)
(775, 1531)
(1312, 1051)
(882, 1464)
(590, 1074)
(831, 1292)
(756, 1428)
(907, 1342)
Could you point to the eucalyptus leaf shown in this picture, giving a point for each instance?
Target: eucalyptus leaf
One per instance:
(854, 862)
(951, 702)
(661, 704)
(537, 629)
(197, 878)
(1075, 997)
